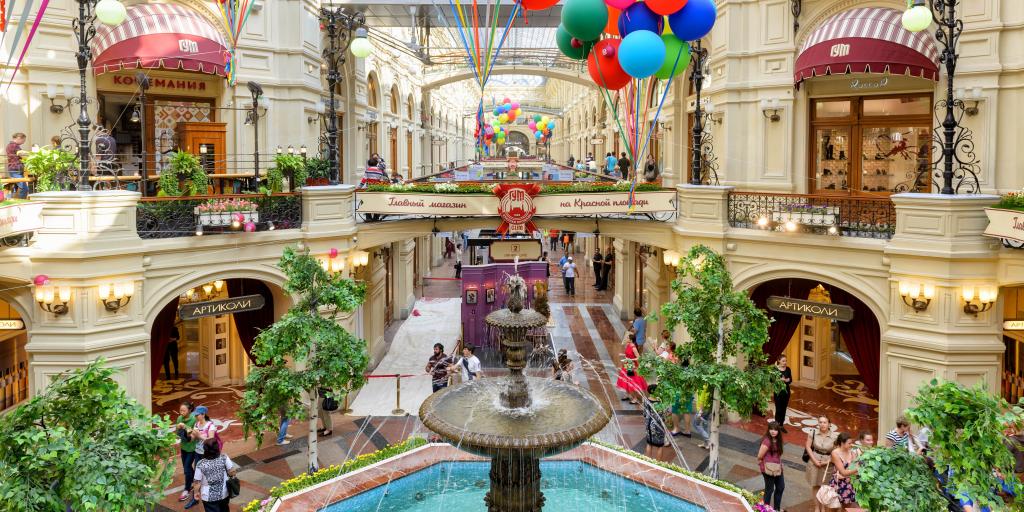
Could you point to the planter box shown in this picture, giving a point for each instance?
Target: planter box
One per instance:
(1006, 225)
(828, 217)
(224, 218)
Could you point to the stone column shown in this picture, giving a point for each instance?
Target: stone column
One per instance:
(703, 216)
(938, 243)
(97, 226)
(329, 211)
(405, 291)
(625, 275)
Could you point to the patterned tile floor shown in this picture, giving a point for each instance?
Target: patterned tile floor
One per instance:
(588, 328)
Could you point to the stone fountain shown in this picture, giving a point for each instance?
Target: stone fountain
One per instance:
(515, 420)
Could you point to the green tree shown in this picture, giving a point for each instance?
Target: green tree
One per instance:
(725, 329)
(967, 437)
(896, 480)
(83, 445)
(305, 351)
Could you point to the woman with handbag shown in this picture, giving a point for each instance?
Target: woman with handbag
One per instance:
(328, 404)
(216, 477)
(817, 455)
(769, 458)
(842, 458)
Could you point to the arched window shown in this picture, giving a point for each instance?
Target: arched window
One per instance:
(394, 99)
(372, 92)
(409, 107)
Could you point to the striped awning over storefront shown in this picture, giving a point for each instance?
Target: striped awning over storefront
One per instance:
(867, 40)
(165, 36)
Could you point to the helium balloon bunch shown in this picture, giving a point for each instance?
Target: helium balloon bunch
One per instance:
(635, 44)
(542, 127)
(492, 126)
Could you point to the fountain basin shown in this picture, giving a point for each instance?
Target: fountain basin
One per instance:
(472, 417)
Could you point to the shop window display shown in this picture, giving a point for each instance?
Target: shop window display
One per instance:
(872, 145)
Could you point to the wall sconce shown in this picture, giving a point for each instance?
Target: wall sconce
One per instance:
(332, 265)
(917, 296)
(116, 296)
(974, 96)
(978, 299)
(206, 292)
(671, 258)
(773, 105)
(51, 93)
(54, 299)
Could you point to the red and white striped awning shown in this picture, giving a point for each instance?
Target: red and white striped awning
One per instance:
(166, 36)
(867, 40)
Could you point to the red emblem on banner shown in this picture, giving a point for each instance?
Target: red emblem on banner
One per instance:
(516, 208)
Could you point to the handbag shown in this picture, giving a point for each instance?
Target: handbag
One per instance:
(772, 468)
(330, 404)
(827, 494)
(806, 457)
(234, 487)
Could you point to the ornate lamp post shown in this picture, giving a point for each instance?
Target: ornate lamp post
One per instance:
(340, 23)
(699, 57)
(143, 80)
(918, 17)
(109, 12)
(253, 117)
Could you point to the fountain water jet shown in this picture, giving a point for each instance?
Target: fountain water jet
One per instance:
(531, 418)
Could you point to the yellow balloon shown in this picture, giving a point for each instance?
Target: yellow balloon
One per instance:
(542, 125)
(519, 112)
(545, 119)
(668, 29)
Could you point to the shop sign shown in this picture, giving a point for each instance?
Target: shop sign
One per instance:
(220, 307)
(1013, 325)
(426, 204)
(597, 141)
(516, 208)
(605, 202)
(1007, 225)
(585, 203)
(810, 308)
(505, 251)
(163, 84)
(11, 324)
(858, 84)
(20, 218)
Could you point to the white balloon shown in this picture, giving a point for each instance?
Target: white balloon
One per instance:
(111, 12)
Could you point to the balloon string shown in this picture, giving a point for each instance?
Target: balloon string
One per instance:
(664, 95)
(460, 20)
(476, 35)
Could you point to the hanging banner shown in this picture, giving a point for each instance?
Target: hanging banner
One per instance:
(836, 312)
(480, 205)
(516, 207)
(1007, 225)
(20, 218)
(220, 307)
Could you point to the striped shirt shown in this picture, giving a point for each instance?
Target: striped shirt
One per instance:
(898, 439)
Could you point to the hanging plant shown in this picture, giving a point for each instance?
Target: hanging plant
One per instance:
(183, 166)
(50, 167)
(284, 164)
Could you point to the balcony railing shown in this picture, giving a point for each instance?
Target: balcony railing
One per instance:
(863, 217)
(173, 217)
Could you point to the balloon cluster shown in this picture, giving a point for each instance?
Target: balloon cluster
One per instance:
(624, 39)
(492, 128)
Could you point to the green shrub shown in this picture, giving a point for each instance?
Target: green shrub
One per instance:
(1011, 201)
(49, 166)
(183, 165)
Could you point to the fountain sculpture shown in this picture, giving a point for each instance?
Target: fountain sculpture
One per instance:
(515, 420)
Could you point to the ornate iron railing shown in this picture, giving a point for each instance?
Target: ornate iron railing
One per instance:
(864, 217)
(173, 217)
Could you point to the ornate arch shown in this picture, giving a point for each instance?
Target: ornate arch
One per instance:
(396, 98)
(179, 284)
(749, 278)
(410, 107)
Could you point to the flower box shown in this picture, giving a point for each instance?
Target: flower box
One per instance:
(817, 216)
(226, 218)
(1006, 225)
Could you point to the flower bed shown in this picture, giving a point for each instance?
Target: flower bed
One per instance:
(307, 480)
(486, 188)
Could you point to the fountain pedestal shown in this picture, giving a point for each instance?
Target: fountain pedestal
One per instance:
(515, 485)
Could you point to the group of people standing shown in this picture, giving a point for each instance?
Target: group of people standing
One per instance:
(203, 461)
(603, 264)
(441, 366)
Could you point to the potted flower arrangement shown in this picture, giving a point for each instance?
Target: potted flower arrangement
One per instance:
(291, 166)
(318, 172)
(1006, 220)
(225, 212)
(183, 167)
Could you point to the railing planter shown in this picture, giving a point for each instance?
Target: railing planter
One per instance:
(1007, 225)
(173, 217)
(225, 218)
(854, 216)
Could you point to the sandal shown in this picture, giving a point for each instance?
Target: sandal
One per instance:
(326, 433)
(634, 402)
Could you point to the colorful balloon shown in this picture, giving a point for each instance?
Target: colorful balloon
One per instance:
(694, 20)
(41, 280)
(603, 65)
(536, 117)
(515, 105)
(641, 53)
(612, 27)
(503, 118)
(665, 7)
(639, 17)
(570, 46)
(519, 112)
(537, 5)
(532, 126)
(619, 4)
(677, 54)
(538, 134)
(584, 19)
(506, 101)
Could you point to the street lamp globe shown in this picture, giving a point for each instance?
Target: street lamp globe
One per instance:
(917, 18)
(361, 44)
(111, 12)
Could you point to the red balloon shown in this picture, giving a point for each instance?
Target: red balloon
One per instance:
(536, 5)
(603, 65)
(665, 7)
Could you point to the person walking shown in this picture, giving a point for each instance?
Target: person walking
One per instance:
(458, 261)
(769, 459)
(624, 164)
(171, 354)
(781, 398)
(183, 429)
(640, 328)
(817, 455)
(630, 379)
(570, 277)
(202, 430)
(899, 437)
(609, 164)
(212, 474)
(437, 367)
(468, 364)
(651, 170)
(609, 261)
(597, 260)
(15, 169)
(328, 404)
(565, 242)
(842, 458)
(553, 243)
(654, 425)
(282, 431)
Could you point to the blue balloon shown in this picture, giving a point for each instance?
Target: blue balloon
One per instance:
(641, 53)
(551, 124)
(640, 17)
(538, 134)
(694, 20)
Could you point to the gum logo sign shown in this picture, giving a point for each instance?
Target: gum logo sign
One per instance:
(516, 208)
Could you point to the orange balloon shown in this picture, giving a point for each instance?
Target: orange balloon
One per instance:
(612, 28)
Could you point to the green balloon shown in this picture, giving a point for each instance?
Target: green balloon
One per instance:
(585, 19)
(674, 48)
(564, 40)
(536, 118)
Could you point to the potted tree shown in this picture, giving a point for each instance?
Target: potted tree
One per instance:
(292, 166)
(50, 167)
(318, 172)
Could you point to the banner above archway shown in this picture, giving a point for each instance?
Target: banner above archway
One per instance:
(867, 40)
(164, 36)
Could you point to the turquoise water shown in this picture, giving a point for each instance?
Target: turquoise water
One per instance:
(460, 487)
